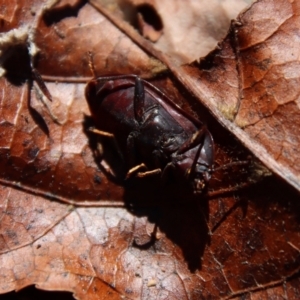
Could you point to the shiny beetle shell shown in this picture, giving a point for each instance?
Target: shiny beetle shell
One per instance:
(150, 130)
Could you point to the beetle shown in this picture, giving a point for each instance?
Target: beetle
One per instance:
(152, 133)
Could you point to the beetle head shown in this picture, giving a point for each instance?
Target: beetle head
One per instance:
(199, 178)
(201, 169)
(197, 175)
(197, 163)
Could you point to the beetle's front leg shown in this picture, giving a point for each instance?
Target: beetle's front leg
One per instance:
(203, 140)
(139, 100)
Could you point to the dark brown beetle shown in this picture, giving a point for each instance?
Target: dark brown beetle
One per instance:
(152, 133)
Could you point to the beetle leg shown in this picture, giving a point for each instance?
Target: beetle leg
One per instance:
(193, 141)
(111, 137)
(196, 139)
(101, 133)
(135, 169)
(139, 99)
(149, 173)
(232, 164)
(212, 194)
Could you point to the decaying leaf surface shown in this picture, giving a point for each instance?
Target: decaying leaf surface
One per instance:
(259, 93)
(186, 30)
(97, 35)
(246, 243)
(91, 251)
(268, 111)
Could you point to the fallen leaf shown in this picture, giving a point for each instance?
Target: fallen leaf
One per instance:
(205, 22)
(257, 97)
(64, 224)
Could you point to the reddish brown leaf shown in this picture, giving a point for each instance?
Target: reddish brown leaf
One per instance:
(188, 30)
(112, 51)
(246, 243)
(260, 84)
(270, 80)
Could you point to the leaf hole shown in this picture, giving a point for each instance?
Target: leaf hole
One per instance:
(144, 18)
(16, 63)
(32, 292)
(56, 14)
(150, 16)
(149, 22)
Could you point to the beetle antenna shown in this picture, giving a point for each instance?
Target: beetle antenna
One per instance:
(232, 164)
(191, 171)
(91, 64)
(193, 141)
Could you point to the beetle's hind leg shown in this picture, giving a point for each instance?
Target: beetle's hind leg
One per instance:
(102, 134)
(101, 151)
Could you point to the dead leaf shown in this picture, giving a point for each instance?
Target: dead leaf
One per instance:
(187, 30)
(258, 92)
(60, 227)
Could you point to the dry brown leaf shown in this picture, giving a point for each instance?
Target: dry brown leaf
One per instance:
(189, 29)
(260, 85)
(56, 232)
